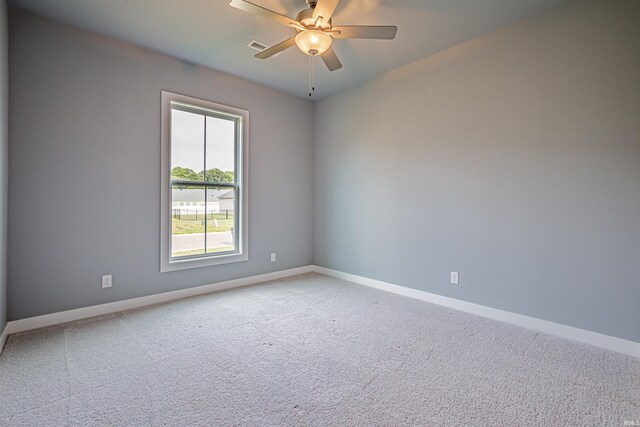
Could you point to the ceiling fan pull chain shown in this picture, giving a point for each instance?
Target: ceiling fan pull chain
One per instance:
(310, 74)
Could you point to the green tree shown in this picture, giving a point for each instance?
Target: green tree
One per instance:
(217, 175)
(184, 174)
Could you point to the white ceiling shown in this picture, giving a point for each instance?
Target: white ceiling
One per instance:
(214, 34)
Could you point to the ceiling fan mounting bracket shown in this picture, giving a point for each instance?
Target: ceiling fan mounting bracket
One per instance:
(312, 3)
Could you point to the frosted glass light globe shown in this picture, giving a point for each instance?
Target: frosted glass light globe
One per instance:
(313, 42)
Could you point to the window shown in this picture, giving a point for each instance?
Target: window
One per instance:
(204, 183)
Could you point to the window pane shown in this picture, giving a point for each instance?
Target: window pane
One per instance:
(187, 145)
(221, 226)
(220, 150)
(187, 220)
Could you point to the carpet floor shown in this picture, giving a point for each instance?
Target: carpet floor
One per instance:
(309, 350)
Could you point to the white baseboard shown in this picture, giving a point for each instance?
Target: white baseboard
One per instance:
(113, 307)
(3, 338)
(608, 342)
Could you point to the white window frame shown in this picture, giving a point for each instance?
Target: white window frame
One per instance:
(167, 263)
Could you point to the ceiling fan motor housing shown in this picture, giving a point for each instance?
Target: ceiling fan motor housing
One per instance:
(305, 18)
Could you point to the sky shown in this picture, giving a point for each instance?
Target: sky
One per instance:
(187, 142)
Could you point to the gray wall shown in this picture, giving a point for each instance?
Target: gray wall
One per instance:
(4, 159)
(84, 192)
(513, 158)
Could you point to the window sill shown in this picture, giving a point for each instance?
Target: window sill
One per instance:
(183, 264)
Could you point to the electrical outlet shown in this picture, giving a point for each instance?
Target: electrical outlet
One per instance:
(273, 257)
(107, 281)
(454, 277)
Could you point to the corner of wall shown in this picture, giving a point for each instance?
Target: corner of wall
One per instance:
(4, 164)
(314, 139)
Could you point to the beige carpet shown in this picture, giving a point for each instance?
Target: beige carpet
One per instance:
(310, 350)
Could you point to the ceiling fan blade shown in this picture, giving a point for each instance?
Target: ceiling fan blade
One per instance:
(267, 53)
(365, 32)
(325, 8)
(331, 60)
(266, 13)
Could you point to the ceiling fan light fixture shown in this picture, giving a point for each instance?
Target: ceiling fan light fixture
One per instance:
(313, 42)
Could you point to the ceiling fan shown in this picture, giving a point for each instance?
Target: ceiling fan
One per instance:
(315, 31)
